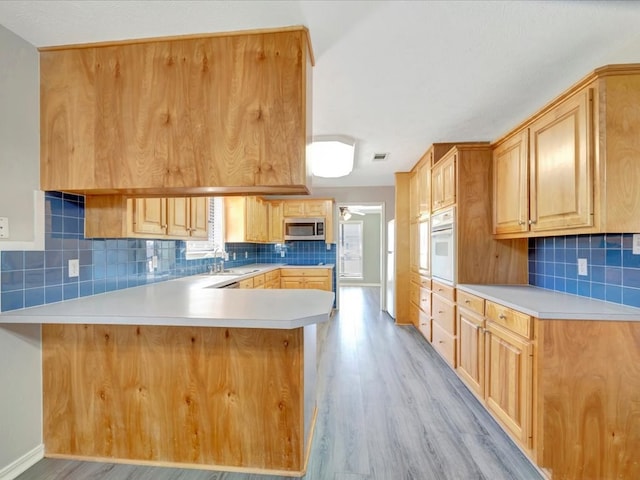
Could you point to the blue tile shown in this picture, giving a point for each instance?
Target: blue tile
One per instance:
(52, 243)
(33, 259)
(86, 273)
(34, 297)
(99, 286)
(112, 284)
(597, 273)
(34, 278)
(627, 241)
(585, 253)
(584, 288)
(597, 256)
(559, 270)
(571, 256)
(53, 294)
(613, 275)
(558, 242)
(70, 291)
(55, 223)
(68, 255)
(12, 280)
(613, 258)
(12, 260)
(85, 257)
(53, 259)
(52, 276)
(584, 241)
(613, 240)
(548, 282)
(598, 291)
(560, 284)
(559, 255)
(631, 277)
(571, 270)
(71, 225)
(597, 241)
(631, 296)
(99, 245)
(630, 260)
(71, 209)
(70, 243)
(53, 206)
(11, 300)
(85, 288)
(572, 286)
(613, 293)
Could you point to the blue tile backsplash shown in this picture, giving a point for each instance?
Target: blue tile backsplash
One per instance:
(30, 278)
(613, 272)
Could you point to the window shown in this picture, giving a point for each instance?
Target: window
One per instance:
(351, 250)
(207, 249)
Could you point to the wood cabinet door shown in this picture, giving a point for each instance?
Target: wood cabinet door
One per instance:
(414, 248)
(178, 217)
(199, 217)
(291, 282)
(315, 208)
(150, 216)
(509, 381)
(511, 185)
(319, 283)
(470, 327)
(437, 187)
(449, 181)
(293, 208)
(276, 226)
(414, 197)
(424, 187)
(560, 175)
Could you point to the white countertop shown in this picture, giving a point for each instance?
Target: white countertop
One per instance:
(189, 301)
(547, 304)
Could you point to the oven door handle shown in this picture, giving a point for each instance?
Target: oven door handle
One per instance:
(446, 231)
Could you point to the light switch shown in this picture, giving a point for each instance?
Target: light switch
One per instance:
(582, 267)
(4, 227)
(74, 268)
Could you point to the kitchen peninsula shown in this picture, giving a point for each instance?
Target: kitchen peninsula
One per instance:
(182, 373)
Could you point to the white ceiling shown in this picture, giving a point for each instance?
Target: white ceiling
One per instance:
(395, 75)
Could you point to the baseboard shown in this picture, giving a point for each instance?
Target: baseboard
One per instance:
(22, 464)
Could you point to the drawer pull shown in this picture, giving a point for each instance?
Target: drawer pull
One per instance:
(440, 311)
(502, 316)
(440, 341)
(467, 302)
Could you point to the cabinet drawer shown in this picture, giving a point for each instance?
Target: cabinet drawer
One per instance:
(414, 293)
(444, 314)
(275, 283)
(444, 291)
(424, 324)
(304, 272)
(444, 343)
(258, 280)
(425, 283)
(515, 321)
(246, 283)
(272, 275)
(425, 300)
(473, 303)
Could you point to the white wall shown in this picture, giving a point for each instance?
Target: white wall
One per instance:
(355, 195)
(20, 347)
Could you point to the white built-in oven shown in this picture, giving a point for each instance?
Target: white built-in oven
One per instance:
(443, 258)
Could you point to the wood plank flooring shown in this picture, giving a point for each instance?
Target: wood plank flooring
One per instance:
(388, 409)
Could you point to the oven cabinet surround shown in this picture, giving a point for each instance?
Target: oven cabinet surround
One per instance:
(560, 373)
(572, 167)
(178, 116)
(179, 373)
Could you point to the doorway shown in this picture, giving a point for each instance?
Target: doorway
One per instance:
(360, 259)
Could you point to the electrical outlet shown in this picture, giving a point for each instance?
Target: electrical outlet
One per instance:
(582, 267)
(636, 244)
(4, 227)
(282, 253)
(234, 255)
(328, 247)
(154, 261)
(246, 254)
(74, 268)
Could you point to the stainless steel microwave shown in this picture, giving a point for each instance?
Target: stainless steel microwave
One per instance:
(304, 229)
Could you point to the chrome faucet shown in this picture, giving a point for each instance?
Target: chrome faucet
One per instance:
(218, 265)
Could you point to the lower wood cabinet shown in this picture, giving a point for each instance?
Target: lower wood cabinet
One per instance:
(509, 381)
(272, 279)
(307, 278)
(443, 322)
(470, 352)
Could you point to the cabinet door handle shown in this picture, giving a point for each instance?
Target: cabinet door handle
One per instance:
(502, 316)
(521, 222)
(467, 302)
(532, 222)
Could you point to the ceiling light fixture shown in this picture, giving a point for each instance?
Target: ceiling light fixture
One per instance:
(331, 156)
(344, 213)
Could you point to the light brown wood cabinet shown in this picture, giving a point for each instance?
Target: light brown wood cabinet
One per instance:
(443, 182)
(272, 279)
(307, 278)
(306, 208)
(470, 352)
(275, 219)
(207, 115)
(569, 169)
(443, 329)
(157, 218)
(245, 220)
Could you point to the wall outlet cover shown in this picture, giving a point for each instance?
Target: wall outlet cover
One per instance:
(636, 244)
(4, 227)
(583, 267)
(74, 268)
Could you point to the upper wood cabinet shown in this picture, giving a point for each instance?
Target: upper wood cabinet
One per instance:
(216, 114)
(306, 208)
(443, 182)
(275, 220)
(245, 220)
(572, 168)
(157, 218)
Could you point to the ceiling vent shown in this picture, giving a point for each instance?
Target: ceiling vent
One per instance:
(380, 157)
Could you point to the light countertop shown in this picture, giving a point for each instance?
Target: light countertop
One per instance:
(547, 304)
(190, 301)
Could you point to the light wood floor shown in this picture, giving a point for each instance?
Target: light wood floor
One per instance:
(388, 409)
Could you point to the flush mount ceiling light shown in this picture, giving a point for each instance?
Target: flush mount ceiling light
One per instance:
(332, 157)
